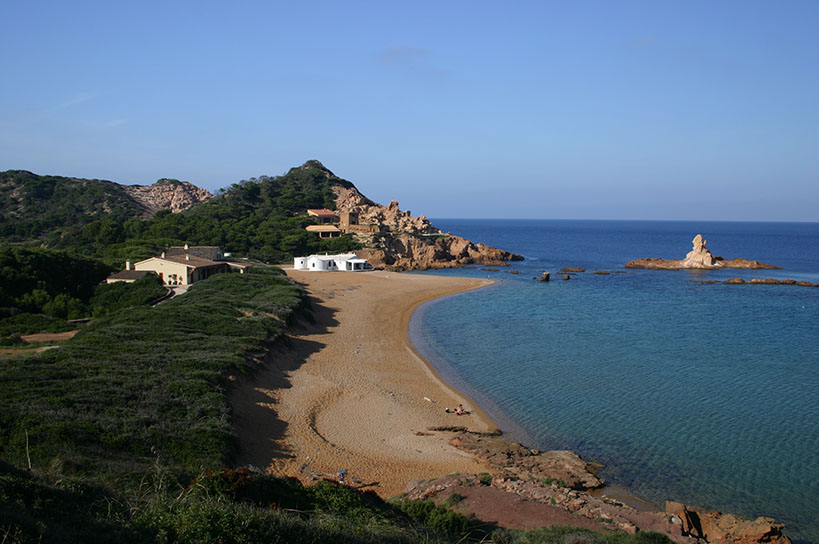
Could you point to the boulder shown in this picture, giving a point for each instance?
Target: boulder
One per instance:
(544, 277)
(718, 528)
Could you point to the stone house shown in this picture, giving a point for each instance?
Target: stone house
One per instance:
(181, 269)
(181, 265)
(324, 216)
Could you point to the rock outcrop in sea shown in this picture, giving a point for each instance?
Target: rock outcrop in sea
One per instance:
(402, 241)
(698, 258)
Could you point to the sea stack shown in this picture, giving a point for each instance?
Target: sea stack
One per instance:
(699, 257)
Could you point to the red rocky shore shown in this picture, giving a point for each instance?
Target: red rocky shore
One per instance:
(529, 488)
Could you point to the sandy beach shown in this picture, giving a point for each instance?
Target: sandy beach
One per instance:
(349, 391)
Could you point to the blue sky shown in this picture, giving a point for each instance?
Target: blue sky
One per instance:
(588, 109)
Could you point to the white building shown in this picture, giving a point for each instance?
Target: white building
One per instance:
(324, 263)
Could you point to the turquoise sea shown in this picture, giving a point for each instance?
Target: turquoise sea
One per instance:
(702, 393)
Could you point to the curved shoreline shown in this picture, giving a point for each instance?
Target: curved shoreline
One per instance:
(447, 374)
(351, 392)
(511, 430)
(433, 371)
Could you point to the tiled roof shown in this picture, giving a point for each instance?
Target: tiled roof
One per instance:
(205, 252)
(322, 228)
(323, 212)
(191, 260)
(129, 274)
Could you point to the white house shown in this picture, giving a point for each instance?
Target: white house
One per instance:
(316, 263)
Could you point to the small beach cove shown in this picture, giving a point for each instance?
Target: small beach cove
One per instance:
(349, 392)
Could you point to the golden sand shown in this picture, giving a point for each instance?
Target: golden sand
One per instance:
(350, 392)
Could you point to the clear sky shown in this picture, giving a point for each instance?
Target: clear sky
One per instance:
(588, 109)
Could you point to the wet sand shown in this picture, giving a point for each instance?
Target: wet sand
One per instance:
(350, 392)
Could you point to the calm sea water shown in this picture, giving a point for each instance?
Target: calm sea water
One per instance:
(702, 393)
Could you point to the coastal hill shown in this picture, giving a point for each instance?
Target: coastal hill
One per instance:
(262, 218)
(32, 206)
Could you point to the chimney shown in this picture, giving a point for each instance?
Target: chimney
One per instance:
(163, 255)
(127, 265)
(187, 257)
(187, 246)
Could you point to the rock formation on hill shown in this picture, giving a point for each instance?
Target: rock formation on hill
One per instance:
(167, 194)
(407, 242)
(698, 258)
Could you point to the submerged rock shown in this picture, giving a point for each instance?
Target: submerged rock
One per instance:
(518, 461)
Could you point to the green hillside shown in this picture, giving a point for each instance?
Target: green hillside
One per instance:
(32, 206)
(262, 218)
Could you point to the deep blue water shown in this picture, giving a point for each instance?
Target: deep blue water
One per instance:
(703, 393)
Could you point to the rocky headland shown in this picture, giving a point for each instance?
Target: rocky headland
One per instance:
(401, 241)
(698, 258)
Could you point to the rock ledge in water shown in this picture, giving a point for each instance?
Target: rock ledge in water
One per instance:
(698, 258)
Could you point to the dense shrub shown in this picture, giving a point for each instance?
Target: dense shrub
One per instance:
(111, 297)
(51, 282)
(144, 383)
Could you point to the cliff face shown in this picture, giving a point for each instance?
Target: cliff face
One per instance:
(407, 242)
(167, 194)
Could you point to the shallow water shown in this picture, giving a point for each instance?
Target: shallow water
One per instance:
(703, 393)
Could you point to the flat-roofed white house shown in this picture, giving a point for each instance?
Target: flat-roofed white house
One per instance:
(326, 263)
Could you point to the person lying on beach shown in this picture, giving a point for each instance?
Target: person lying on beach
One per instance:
(460, 411)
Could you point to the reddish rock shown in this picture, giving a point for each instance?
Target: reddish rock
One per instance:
(719, 528)
(401, 241)
(167, 194)
(698, 257)
(517, 461)
(572, 269)
(734, 281)
(765, 281)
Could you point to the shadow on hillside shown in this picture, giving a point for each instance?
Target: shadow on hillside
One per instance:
(255, 418)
